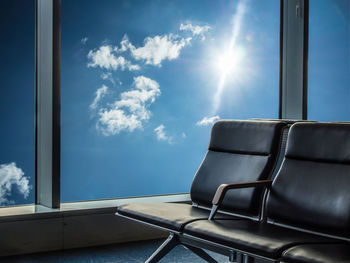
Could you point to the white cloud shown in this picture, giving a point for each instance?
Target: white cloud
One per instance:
(124, 45)
(105, 58)
(184, 136)
(99, 94)
(84, 40)
(161, 135)
(131, 110)
(207, 121)
(108, 76)
(156, 49)
(195, 30)
(11, 175)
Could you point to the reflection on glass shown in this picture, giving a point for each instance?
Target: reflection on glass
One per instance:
(143, 81)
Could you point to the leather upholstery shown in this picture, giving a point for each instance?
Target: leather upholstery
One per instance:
(220, 167)
(324, 142)
(239, 151)
(250, 154)
(250, 136)
(318, 253)
(311, 190)
(263, 239)
(168, 215)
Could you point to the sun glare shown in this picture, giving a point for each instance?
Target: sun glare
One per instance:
(228, 64)
(229, 61)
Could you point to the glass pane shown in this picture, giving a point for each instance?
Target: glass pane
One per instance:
(329, 68)
(17, 152)
(143, 81)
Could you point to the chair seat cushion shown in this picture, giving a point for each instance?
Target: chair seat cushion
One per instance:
(262, 239)
(318, 253)
(172, 216)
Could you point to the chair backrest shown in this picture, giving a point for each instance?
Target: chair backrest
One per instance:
(239, 151)
(312, 188)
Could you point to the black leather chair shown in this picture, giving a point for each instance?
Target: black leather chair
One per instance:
(318, 253)
(239, 151)
(308, 202)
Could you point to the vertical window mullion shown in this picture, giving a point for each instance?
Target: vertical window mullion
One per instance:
(48, 103)
(293, 97)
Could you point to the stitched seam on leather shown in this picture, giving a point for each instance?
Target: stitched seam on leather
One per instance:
(191, 221)
(238, 152)
(305, 159)
(309, 231)
(281, 251)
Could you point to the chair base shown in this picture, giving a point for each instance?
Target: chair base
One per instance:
(173, 241)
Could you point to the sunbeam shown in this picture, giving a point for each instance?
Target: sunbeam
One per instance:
(230, 59)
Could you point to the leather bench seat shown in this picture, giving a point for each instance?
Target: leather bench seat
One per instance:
(308, 199)
(258, 238)
(318, 253)
(172, 216)
(239, 151)
(310, 192)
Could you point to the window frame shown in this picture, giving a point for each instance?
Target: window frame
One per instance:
(292, 87)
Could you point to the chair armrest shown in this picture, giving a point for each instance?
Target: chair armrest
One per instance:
(222, 189)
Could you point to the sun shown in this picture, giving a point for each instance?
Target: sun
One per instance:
(228, 66)
(229, 62)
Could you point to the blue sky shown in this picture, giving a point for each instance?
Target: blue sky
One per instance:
(142, 82)
(329, 60)
(17, 30)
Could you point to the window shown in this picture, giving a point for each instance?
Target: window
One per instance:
(17, 152)
(143, 81)
(329, 57)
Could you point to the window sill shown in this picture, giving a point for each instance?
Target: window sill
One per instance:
(27, 212)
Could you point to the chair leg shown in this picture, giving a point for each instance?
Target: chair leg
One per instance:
(201, 253)
(248, 259)
(233, 256)
(239, 258)
(164, 249)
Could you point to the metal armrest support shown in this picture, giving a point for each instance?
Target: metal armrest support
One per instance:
(222, 189)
